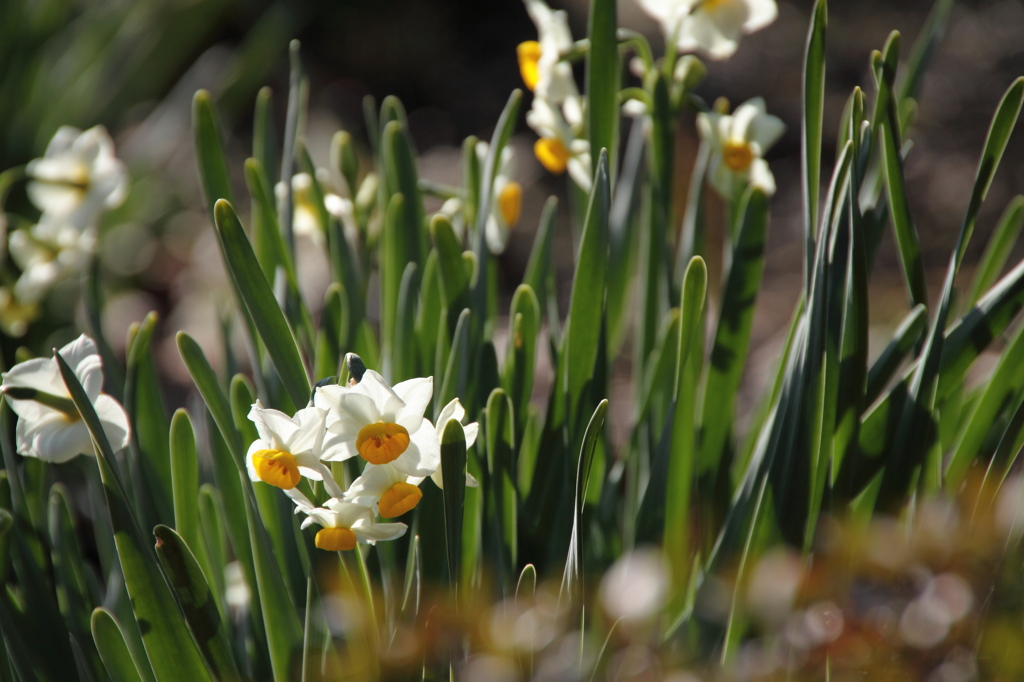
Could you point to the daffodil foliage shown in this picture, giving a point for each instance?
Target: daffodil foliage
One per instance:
(283, 525)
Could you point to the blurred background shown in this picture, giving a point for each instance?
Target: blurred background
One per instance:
(133, 66)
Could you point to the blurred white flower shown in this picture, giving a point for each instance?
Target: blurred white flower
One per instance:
(455, 410)
(49, 427)
(47, 253)
(288, 448)
(345, 524)
(560, 146)
(635, 587)
(381, 424)
(712, 27)
(506, 204)
(540, 62)
(738, 143)
(78, 178)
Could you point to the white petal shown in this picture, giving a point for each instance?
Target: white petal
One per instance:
(114, 420)
(338, 447)
(388, 402)
(309, 432)
(706, 34)
(416, 394)
(471, 431)
(274, 426)
(250, 466)
(760, 13)
(761, 176)
(453, 410)
(423, 455)
(54, 438)
(361, 410)
(41, 374)
(379, 531)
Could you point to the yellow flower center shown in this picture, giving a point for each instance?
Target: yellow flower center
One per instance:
(276, 467)
(399, 498)
(737, 156)
(552, 154)
(529, 56)
(712, 6)
(335, 539)
(510, 201)
(381, 443)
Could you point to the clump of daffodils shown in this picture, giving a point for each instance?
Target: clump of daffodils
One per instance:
(72, 185)
(381, 426)
(557, 112)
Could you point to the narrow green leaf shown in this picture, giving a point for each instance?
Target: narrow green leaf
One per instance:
(811, 121)
(908, 448)
(150, 426)
(197, 602)
(735, 322)
(586, 303)
(520, 360)
(904, 339)
(168, 643)
(574, 560)
(998, 249)
(501, 496)
(453, 473)
(110, 642)
(603, 79)
(924, 48)
(458, 365)
(892, 164)
(259, 299)
(405, 358)
(450, 268)
(213, 169)
(74, 596)
(679, 473)
(1003, 384)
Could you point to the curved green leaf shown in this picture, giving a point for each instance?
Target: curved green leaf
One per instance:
(259, 299)
(169, 645)
(117, 659)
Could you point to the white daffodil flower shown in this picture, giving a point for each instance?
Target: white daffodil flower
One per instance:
(540, 61)
(506, 202)
(386, 490)
(78, 178)
(47, 253)
(712, 27)
(560, 146)
(738, 143)
(381, 424)
(288, 448)
(49, 427)
(345, 524)
(455, 410)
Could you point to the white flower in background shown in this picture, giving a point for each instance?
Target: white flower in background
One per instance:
(738, 143)
(507, 201)
(77, 179)
(712, 27)
(455, 410)
(381, 424)
(452, 208)
(560, 146)
(288, 448)
(540, 61)
(345, 524)
(52, 430)
(47, 253)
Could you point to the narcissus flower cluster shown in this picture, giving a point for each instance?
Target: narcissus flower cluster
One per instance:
(72, 185)
(370, 421)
